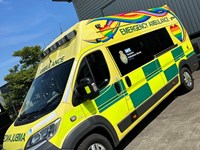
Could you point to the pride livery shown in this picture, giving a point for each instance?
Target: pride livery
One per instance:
(177, 32)
(112, 24)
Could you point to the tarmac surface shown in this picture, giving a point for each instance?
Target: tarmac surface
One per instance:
(173, 125)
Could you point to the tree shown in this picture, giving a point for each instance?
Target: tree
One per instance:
(20, 77)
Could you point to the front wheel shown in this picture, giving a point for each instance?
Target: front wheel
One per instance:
(95, 142)
(187, 82)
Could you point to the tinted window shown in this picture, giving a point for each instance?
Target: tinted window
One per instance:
(158, 40)
(131, 54)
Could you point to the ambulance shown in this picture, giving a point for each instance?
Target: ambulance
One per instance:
(100, 78)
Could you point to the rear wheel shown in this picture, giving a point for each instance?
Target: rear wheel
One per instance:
(187, 82)
(95, 142)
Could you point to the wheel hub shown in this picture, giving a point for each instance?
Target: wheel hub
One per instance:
(187, 79)
(96, 146)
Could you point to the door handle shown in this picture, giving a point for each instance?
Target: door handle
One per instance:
(117, 87)
(128, 81)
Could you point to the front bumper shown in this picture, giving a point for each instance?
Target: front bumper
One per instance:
(48, 146)
(44, 146)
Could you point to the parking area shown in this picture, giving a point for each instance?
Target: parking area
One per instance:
(173, 125)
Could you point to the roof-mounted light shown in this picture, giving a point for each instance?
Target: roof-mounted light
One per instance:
(62, 41)
(71, 35)
(47, 52)
(59, 43)
(53, 47)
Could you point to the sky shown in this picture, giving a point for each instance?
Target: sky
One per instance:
(29, 23)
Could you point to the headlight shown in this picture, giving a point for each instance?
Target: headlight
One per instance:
(46, 133)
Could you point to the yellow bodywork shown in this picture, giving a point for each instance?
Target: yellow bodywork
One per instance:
(88, 39)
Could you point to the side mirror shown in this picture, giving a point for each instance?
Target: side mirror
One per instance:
(87, 89)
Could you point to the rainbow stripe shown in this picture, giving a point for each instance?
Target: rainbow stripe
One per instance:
(134, 17)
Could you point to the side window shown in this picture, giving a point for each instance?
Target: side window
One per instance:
(94, 66)
(84, 71)
(158, 40)
(131, 54)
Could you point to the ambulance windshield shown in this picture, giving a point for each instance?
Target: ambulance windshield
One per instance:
(46, 91)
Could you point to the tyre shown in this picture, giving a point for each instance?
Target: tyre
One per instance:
(95, 142)
(187, 81)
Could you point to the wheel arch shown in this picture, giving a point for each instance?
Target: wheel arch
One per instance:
(192, 63)
(95, 124)
(184, 63)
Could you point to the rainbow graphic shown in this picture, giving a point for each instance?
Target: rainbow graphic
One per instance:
(112, 25)
(109, 32)
(134, 17)
(177, 32)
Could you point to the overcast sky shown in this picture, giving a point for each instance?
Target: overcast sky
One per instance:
(29, 23)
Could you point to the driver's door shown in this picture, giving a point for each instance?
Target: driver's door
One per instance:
(110, 102)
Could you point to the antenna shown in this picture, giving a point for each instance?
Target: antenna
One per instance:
(60, 29)
(44, 45)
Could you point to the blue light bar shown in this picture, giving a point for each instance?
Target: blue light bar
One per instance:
(59, 43)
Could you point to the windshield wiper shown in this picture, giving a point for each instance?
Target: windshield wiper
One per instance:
(34, 113)
(24, 116)
(50, 101)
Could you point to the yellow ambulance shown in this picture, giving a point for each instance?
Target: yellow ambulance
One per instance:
(100, 78)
